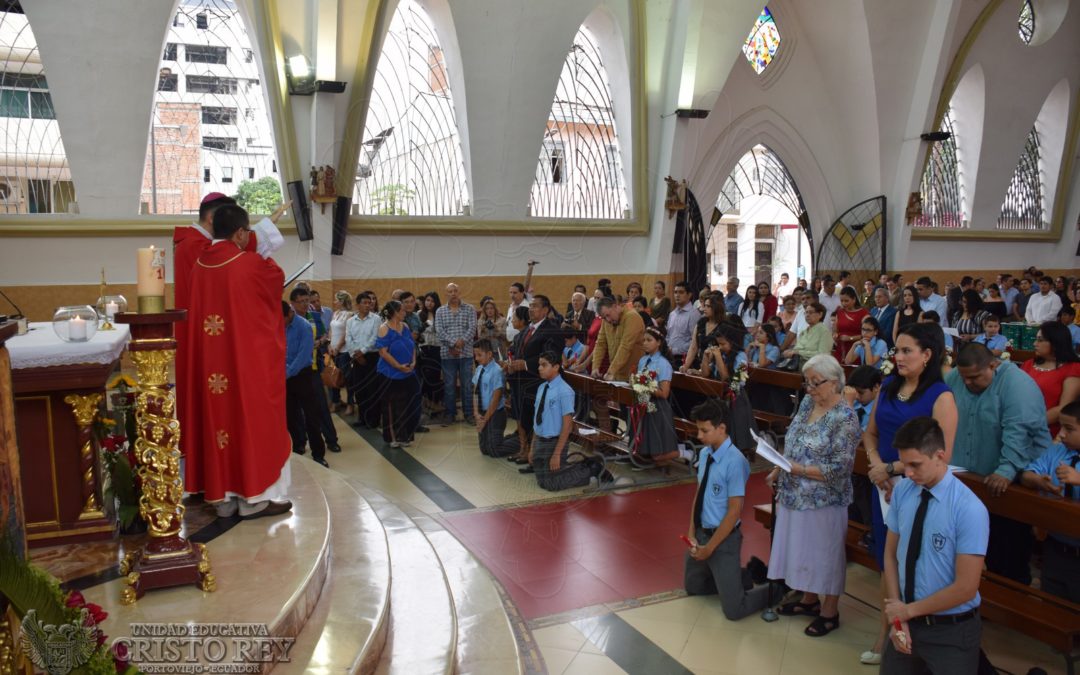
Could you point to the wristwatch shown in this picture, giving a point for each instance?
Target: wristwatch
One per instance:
(889, 469)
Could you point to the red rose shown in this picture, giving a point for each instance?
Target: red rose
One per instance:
(97, 612)
(75, 599)
(120, 652)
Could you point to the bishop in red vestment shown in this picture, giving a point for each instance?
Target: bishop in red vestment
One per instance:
(188, 244)
(235, 399)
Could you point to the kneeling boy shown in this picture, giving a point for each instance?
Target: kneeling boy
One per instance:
(712, 564)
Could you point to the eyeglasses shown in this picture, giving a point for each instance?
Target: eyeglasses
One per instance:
(810, 386)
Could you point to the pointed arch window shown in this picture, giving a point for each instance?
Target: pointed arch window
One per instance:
(411, 160)
(761, 44)
(940, 189)
(211, 128)
(34, 172)
(580, 172)
(1024, 205)
(1026, 23)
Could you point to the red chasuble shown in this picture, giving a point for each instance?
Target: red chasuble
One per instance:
(235, 369)
(188, 244)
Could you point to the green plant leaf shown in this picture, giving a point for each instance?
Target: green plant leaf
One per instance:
(27, 587)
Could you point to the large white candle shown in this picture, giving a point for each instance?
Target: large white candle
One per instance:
(77, 328)
(111, 308)
(151, 272)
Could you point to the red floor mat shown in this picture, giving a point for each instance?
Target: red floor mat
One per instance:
(557, 557)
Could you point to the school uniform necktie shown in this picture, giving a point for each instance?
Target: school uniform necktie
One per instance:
(480, 386)
(700, 500)
(1075, 490)
(915, 546)
(860, 412)
(540, 405)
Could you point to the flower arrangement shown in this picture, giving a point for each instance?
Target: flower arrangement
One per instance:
(739, 379)
(31, 589)
(889, 363)
(124, 486)
(645, 385)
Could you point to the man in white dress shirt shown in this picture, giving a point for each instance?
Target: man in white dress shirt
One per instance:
(1044, 305)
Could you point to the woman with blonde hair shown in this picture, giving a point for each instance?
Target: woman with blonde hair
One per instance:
(343, 309)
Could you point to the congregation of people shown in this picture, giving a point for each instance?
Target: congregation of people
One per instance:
(917, 375)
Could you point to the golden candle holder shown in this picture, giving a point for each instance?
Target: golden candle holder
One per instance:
(166, 559)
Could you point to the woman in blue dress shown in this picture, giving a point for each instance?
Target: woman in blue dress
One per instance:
(916, 390)
(397, 370)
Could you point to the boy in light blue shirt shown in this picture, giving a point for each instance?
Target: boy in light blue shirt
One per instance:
(1055, 472)
(571, 354)
(553, 420)
(934, 553)
(992, 337)
(488, 401)
(1067, 316)
(713, 561)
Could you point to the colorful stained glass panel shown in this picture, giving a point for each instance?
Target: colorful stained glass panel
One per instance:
(762, 42)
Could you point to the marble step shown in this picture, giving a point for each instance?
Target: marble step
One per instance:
(486, 642)
(422, 634)
(347, 630)
(268, 571)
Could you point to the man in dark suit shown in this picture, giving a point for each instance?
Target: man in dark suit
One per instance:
(541, 335)
(885, 314)
(578, 317)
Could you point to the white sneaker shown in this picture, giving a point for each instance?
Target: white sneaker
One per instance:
(870, 658)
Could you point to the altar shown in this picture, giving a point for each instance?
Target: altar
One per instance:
(59, 389)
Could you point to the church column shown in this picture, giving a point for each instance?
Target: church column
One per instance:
(323, 131)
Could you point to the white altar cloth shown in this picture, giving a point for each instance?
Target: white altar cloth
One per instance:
(41, 347)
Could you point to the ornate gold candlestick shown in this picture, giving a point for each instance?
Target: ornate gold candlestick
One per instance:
(167, 559)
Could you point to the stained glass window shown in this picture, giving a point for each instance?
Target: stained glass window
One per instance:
(1027, 22)
(1023, 205)
(762, 42)
(411, 162)
(580, 172)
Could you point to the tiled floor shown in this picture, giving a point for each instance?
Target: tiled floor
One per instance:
(583, 558)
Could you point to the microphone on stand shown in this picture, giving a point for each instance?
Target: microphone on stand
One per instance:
(18, 316)
(18, 312)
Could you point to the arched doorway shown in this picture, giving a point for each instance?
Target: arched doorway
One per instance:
(761, 228)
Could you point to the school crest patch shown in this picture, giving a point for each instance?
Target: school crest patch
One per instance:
(938, 540)
(716, 488)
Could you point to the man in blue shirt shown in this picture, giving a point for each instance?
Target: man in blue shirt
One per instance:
(1055, 472)
(553, 420)
(305, 303)
(488, 398)
(732, 299)
(712, 563)
(1001, 428)
(938, 532)
(301, 410)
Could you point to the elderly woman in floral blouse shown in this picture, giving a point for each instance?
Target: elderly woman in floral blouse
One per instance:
(812, 500)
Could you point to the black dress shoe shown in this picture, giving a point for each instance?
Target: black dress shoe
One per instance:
(333, 447)
(422, 429)
(299, 452)
(272, 509)
(759, 571)
(527, 469)
(320, 460)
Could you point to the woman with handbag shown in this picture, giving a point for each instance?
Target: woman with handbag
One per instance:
(342, 311)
